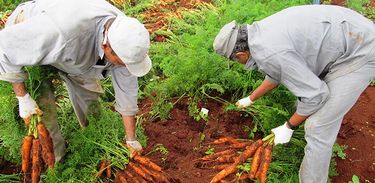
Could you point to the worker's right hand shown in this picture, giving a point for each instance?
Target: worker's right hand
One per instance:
(27, 106)
(134, 147)
(283, 134)
(244, 102)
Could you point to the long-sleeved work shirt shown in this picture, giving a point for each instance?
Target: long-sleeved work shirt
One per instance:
(66, 34)
(304, 47)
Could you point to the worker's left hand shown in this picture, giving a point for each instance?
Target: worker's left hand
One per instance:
(282, 134)
(27, 106)
(134, 147)
(244, 102)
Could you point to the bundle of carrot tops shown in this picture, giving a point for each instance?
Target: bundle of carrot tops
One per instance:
(37, 149)
(259, 151)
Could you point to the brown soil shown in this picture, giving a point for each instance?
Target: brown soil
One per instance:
(358, 133)
(8, 168)
(182, 137)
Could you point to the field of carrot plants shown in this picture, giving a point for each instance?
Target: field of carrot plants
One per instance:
(182, 143)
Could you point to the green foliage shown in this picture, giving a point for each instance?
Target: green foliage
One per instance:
(9, 4)
(86, 147)
(357, 5)
(12, 127)
(210, 150)
(355, 179)
(339, 151)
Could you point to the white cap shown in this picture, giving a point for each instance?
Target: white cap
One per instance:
(226, 39)
(130, 40)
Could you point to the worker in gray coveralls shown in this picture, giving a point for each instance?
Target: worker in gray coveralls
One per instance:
(86, 40)
(325, 55)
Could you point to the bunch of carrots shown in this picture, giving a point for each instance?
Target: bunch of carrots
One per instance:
(37, 149)
(139, 169)
(260, 151)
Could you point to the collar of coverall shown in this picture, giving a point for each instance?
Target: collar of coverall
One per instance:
(106, 27)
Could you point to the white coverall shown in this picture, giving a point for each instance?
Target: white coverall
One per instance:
(67, 35)
(325, 55)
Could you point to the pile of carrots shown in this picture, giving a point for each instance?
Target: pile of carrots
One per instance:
(139, 169)
(227, 161)
(37, 149)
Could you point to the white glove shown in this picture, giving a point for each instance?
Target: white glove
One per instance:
(282, 134)
(134, 144)
(27, 106)
(244, 102)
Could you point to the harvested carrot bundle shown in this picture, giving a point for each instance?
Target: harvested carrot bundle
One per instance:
(255, 163)
(266, 164)
(26, 152)
(47, 145)
(140, 172)
(36, 161)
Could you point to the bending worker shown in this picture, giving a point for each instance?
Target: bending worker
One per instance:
(86, 40)
(325, 55)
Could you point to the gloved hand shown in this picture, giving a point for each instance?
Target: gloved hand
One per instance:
(282, 134)
(244, 102)
(27, 106)
(134, 147)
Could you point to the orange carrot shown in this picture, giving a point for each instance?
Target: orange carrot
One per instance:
(239, 145)
(26, 152)
(120, 177)
(109, 170)
(225, 140)
(226, 158)
(102, 167)
(266, 164)
(36, 161)
(158, 177)
(243, 176)
(225, 172)
(47, 145)
(145, 161)
(249, 152)
(220, 167)
(213, 156)
(140, 172)
(132, 178)
(255, 163)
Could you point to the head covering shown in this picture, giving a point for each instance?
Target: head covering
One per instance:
(130, 41)
(226, 39)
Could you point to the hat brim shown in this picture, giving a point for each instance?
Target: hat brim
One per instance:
(140, 69)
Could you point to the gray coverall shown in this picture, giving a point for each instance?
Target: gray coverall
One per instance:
(67, 35)
(325, 56)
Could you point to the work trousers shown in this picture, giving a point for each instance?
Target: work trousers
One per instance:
(322, 127)
(84, 95)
